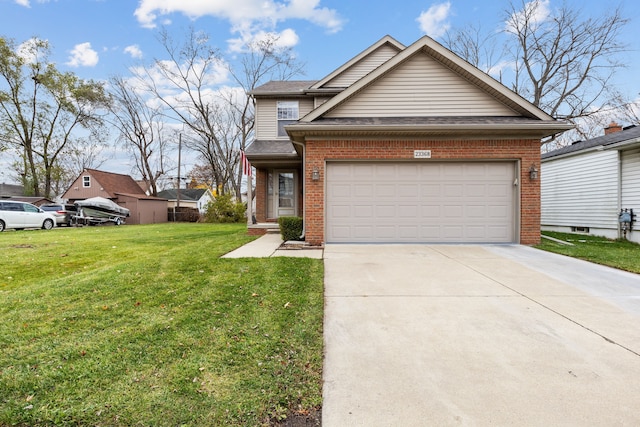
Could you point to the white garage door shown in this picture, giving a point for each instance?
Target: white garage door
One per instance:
(430, 202)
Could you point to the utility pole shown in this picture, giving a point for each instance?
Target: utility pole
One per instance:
(179, 161)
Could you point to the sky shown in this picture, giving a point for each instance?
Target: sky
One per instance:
(97, 39)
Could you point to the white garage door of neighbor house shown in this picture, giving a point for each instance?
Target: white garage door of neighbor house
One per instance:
(428, 202)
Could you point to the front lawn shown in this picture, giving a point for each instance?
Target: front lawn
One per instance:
(146, 325)
(620, 254)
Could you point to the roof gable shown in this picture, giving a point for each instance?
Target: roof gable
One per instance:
(427, 52)
(114, 182)
(421, 86)
(362, 64)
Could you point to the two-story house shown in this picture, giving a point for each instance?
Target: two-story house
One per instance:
(400, 144)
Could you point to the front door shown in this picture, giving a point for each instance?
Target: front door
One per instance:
(282, 199)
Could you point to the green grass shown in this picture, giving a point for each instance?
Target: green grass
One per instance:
(620, 254)
(146, 325)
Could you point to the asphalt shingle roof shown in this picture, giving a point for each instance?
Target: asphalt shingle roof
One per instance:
(115, 182)
(193, 194)
(275, 87)
(629, 133)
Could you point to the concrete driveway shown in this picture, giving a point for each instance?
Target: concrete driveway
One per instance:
(438, 335)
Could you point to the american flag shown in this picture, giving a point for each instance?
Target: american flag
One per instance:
(246, 166)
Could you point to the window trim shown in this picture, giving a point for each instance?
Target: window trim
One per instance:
(287, 112)
(86, 181)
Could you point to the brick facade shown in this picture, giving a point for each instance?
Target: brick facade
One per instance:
(318, 152)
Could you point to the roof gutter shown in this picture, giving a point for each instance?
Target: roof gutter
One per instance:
(300, 132)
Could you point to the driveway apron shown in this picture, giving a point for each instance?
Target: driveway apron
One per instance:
(421, 335)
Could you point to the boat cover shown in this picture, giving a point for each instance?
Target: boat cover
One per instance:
(106, 205)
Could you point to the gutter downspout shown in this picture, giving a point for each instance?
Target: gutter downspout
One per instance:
(304, 202)
(619, 192)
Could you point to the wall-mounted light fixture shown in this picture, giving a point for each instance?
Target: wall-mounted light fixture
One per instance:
(315, 174)
(533, 172)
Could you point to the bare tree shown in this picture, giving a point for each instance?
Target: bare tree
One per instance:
(42, 110)
(140, 129)
(190, 72)
(562, 61)
(478, 47)
(263, 60)
(219, 120)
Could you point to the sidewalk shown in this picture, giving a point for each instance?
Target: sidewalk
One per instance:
(269, 246)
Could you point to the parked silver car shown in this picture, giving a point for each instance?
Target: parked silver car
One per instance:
(63, 213)
(20, 215)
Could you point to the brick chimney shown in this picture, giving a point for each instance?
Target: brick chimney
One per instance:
(612, 128)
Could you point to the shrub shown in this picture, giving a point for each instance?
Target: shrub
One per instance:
(225, 209)
(290, 227)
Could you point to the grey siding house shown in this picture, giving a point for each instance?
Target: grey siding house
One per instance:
(585, 185)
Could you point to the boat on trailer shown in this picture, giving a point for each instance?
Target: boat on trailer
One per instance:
(98, 210)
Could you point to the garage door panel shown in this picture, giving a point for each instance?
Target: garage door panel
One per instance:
(409, 232)
(499, 212)
(453, 190)
(386, 211)
(385, 232)
(339, 190)
(450, 232)
(498, 232)
(476, 232)
(385, 191)
(479, 212)
(430, 211)
(499, 190)
(363, 212)
(362, 190)
(408, 211)
(430, 190)
(409, 171)
(430, 233)
(363, 232)
(475, 190)
(341, 211)
(453, 212)
(420, 202)
(408, 190)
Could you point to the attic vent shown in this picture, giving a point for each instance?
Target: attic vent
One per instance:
(584, 230)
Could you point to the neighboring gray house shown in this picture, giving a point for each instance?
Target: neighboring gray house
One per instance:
(585, 185)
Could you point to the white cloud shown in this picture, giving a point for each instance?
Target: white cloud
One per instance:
(27, 3)
(134, 51)
(434, 22)
(498, 69)
(534, 13)
(83, 56)
(284, 39)
(28, 50)
(247, 17)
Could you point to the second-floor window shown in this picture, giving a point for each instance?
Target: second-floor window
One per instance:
(86, 181)
(287, 114)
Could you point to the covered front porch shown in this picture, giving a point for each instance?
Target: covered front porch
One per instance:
(278, 185)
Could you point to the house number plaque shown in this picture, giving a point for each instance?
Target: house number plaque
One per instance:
(421, 154)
